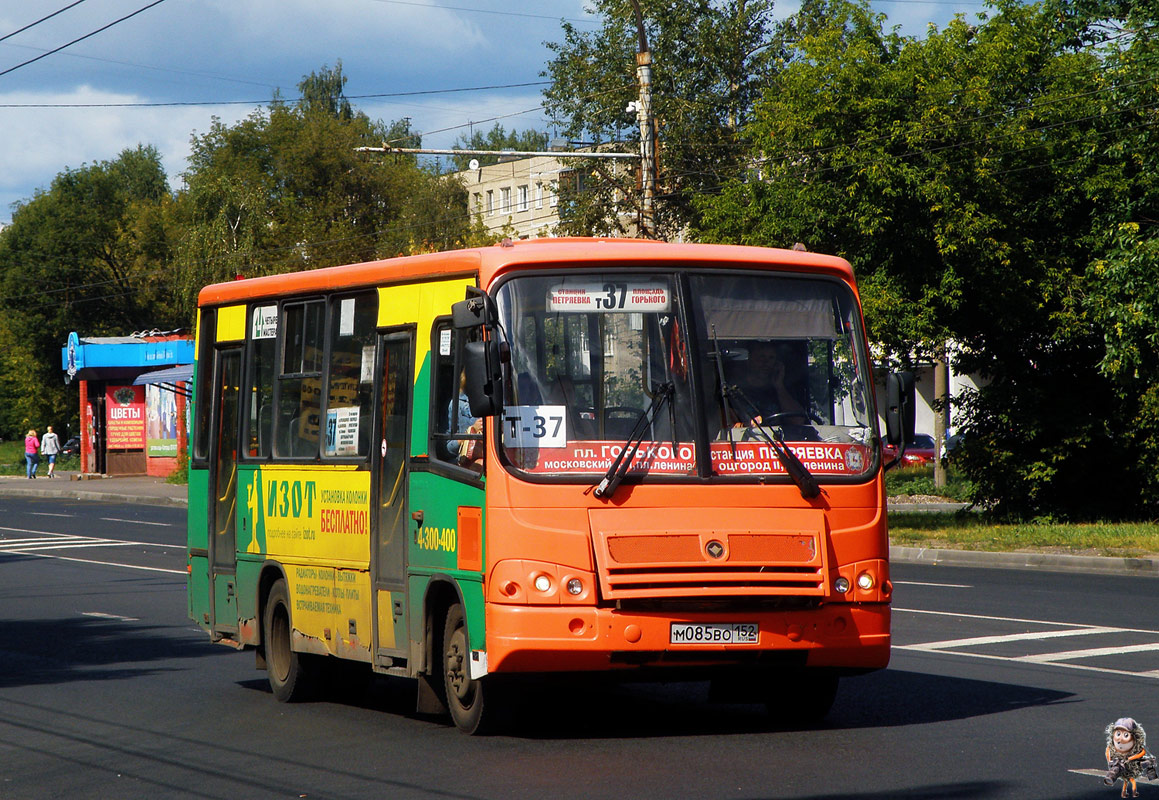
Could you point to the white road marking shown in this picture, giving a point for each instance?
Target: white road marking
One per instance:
(61, 545)
(108, 563)
(1011, 637)
(138, 522)
(44, 540)
(1016, 619)
(1058, 659)
(103, 615)
(1047, 658)
(939, 585)
(48, 514)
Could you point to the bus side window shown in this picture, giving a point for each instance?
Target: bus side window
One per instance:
(452, 442)
(262, 361)
(300, 380)
(350, 385)
(203, 402)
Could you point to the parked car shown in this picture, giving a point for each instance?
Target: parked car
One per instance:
(71, 447)
(919, 452)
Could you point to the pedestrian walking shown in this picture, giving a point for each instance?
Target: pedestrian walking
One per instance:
(49, 448)
(31, 452)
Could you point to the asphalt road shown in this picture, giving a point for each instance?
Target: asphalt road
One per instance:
(1001, 682)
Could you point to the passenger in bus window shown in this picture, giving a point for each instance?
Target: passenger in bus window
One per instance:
(463, 452)
(766, 386)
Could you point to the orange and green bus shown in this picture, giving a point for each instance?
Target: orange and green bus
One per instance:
(550, 457)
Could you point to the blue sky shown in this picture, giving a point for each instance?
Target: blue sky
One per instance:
(229, 56)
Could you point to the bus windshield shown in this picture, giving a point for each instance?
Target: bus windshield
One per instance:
(740, 360)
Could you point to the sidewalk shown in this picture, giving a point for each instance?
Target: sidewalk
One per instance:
(155, 491)
(128, 489)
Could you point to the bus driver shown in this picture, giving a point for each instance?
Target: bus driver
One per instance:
(762, 387)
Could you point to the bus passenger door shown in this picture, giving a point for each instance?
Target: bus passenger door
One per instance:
(223, 491)
(390, 497)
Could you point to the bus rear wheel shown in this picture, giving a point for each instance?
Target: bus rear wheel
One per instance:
(464, 694)
(290, 673)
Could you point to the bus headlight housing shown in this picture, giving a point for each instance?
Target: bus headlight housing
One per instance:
(523, 582)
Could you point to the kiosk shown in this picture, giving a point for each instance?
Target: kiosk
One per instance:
(133, 393)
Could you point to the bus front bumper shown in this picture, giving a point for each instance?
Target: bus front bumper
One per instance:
(852, 636)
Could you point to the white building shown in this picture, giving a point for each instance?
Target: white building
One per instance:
(519, 196)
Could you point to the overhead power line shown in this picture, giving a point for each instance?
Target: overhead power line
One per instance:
(42, 19)
(430, 7)
(82, 38)
(378, 95)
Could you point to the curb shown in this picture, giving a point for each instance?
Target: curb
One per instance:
(74, 494)
(1049, 562)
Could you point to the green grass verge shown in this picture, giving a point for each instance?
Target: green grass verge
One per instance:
(12, 459)
(970, 531)
(920, 481)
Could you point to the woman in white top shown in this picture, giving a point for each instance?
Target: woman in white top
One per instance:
(50, 446)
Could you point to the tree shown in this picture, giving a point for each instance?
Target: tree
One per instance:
(710, 58)
(286, 189)
(496, 139)
(323, 93)
(966, 177)
(89, 254)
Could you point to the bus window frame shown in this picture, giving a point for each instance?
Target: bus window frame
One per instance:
(329, 302)
(333, 300)
(249, 367)
(203, 390)
(435, 462)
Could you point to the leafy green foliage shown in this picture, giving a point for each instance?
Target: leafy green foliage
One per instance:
(108, 249)
(709, 61)
(89, 254)
(967, 176)
(497, 138)
(286, 189)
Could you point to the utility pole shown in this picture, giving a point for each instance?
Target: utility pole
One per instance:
(647, 128)
(941, 413)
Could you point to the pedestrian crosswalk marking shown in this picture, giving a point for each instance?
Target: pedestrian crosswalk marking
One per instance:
(1096, 652)
(1064, 658)
(1011, 637)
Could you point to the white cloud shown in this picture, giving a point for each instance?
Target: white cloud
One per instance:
(36, 144)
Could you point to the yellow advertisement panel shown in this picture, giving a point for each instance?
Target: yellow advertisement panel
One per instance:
(332, 607)
(293, 513)
(316, 522)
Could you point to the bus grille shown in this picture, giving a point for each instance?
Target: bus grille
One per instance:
(711, 563)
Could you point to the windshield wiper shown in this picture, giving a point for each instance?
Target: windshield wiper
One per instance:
(615, 474)
(798, 472)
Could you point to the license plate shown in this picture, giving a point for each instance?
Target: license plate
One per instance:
(714, 633)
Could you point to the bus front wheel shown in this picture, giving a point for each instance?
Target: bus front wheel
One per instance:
(465, 696)
(289, 671)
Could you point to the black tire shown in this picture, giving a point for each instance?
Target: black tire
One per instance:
(290, 673)
(465, 695)
(797, 699)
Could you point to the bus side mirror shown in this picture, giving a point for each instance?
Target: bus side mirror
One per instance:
(484, 377)
(899, 408)
(478, 310)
